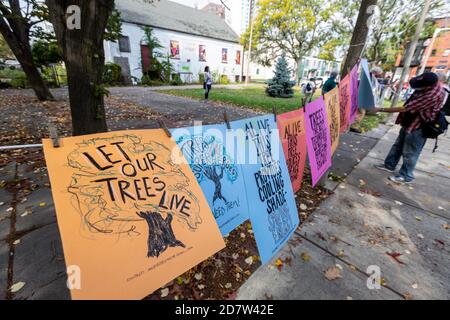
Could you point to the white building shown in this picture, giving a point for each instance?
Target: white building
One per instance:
(193, 38)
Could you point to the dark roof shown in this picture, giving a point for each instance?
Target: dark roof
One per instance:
(177, 17)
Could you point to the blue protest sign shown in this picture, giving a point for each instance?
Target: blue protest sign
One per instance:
(273, 213)
(220, 178)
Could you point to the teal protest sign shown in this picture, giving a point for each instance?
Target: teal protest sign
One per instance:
(220, 178)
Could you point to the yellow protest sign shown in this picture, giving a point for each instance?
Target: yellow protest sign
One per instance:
(333, 112)
(131, 218)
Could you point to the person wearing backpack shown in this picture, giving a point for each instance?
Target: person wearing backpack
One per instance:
(308, 91)
(421, 112)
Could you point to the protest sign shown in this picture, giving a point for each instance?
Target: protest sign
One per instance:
(366, 97)
(130, 219)
(216, 171)
(317, 138)
(344, 103)
(353, 93)
(273, 211)
(332, 104)
(291, 126)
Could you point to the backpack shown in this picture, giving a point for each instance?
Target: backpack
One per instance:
(433, 129)
(446, 107)
(308, 87)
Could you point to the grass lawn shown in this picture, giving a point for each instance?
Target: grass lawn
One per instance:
(252, 97)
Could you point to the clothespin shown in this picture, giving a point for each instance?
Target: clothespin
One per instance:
(162, 125)
(227, 121)
(54, 135)
(274, 111)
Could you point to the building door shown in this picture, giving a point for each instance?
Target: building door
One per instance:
(125, 66)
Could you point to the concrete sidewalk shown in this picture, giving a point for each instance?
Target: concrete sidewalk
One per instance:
(370, 222)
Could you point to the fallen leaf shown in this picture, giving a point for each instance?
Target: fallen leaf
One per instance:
(17, 286)
(333, 273)
(201, 286)
(303, 207)
(420, 236)
(395, 256)
(42, 204)
(198, 276)
(414, 285)
(305, 256)
(340, 253)
(408, 296)
(399, 203)
(279, 264)
(419, 218)
(249, 260)
(228, 285)
(16, 242)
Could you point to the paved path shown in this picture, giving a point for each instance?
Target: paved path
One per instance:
(354, 230)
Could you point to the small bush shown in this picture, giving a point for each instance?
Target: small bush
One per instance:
(224, 79)
(13, 78)
(201, 78)
(112, 74)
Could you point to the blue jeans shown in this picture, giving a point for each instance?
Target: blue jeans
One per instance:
(408, 145)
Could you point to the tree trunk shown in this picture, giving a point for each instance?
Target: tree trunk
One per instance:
(160, 233)
(16, 34)
(359, 37)
(84, 57)
(298, 69)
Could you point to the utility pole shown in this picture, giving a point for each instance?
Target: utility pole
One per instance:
(249, 52)
(430, 48)
(410, 53)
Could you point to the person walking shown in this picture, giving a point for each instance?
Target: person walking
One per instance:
(331, 83)
(207, 84)
(308, 91)
(423, 106)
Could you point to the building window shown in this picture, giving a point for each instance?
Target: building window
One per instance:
(433, 52)
(446, 53)
(124, 44)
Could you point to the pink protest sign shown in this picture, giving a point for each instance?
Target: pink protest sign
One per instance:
(354, 93)
(318, 138)
(291, 126)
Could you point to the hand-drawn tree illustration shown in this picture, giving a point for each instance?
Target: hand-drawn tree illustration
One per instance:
(211, 173)
(100, 216)
(160, 235)
(208, 159)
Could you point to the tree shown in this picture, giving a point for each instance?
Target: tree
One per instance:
(281, 85)
(395, 26)
(359, 36)
(84, 57)
(16, 22)
(295, 27)
(5, 51)
(46, 53)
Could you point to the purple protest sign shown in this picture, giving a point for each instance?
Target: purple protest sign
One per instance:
(317, 138)
(354, 93)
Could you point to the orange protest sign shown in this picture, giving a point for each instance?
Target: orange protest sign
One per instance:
(291, 126)
(131, 218)
(332, 105)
